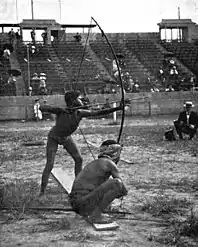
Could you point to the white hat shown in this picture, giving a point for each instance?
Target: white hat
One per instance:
(188, 104)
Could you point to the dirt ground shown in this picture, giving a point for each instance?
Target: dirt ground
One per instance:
(158, 169)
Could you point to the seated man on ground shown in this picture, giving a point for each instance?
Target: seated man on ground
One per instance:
(187, 121)
(93, 190)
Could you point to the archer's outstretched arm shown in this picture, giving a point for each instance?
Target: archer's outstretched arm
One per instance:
(51, 109)
(89, 113)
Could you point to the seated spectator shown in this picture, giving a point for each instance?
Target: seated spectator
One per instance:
(30, 91)
(35, 82)
(78, 37)
(95, 105)
(136, 87)
(46, 115)
(85, 100)
(6, 53)
(115, 69)
(43, 76)
(33, 50)
(106, 104)
(42, 88)
(11, 79)
(187, 121)
(43, 91)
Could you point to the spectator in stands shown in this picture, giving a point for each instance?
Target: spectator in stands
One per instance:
(6, 53)
(30, 91)
(46, 115)
(85, 99)
(44, 36)
(115, 70)
(18, 36)
(106, 104)
(187, 121)
(136, 87)
(33, 50)
(77, 37)
(35, 82)
(33, 36)
(43, 88)
(37, 112)
(11, 79)
(95, 105)
(11, 36)
(43, 76)
(10, 86)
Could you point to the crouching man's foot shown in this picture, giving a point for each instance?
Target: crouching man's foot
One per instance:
(98, 220)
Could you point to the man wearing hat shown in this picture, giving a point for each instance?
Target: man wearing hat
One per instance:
(98, 184)
(187, 121)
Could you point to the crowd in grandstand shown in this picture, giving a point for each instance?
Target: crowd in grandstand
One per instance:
(166, 77)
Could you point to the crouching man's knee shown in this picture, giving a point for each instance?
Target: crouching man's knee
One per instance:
(121, 187)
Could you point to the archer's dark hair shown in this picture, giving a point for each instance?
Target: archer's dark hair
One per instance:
(109, 142)
(71, 96)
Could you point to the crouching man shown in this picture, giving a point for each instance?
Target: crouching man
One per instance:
(187, 121)
(93, 189)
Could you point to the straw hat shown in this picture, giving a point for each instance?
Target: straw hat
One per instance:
(188, 104)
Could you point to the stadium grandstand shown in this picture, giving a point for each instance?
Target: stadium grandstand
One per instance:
(149, 62)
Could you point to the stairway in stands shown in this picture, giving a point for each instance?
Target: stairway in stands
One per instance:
(186, 52)
(20, 84)
(133, 65)
(40, 63)
(82, 72)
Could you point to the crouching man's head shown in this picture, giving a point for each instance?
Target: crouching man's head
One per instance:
(110, 149)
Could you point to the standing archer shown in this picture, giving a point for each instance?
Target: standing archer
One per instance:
(67, 121)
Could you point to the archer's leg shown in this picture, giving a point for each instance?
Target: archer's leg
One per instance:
(51, 150)
(73, 150)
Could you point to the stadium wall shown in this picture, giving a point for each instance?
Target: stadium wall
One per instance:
(118, 36)
(21, 107)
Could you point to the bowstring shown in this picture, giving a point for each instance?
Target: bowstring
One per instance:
(77, 78)
(83, 55)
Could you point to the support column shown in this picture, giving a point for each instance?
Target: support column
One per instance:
(165, 34)
(171, 34)
(48, 36)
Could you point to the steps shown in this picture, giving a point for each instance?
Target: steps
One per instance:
(58, 66)
(20, 84)
(97, 63)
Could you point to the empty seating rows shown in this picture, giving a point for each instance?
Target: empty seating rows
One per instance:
(39, 63)
(71, 55)
(147, 52)
(187, 53)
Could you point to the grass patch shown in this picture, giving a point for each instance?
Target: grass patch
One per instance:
(52, 225)
(179, 233)
(162, 204)
(18, 194)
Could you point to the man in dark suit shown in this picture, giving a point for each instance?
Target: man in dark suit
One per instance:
(187, 121)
